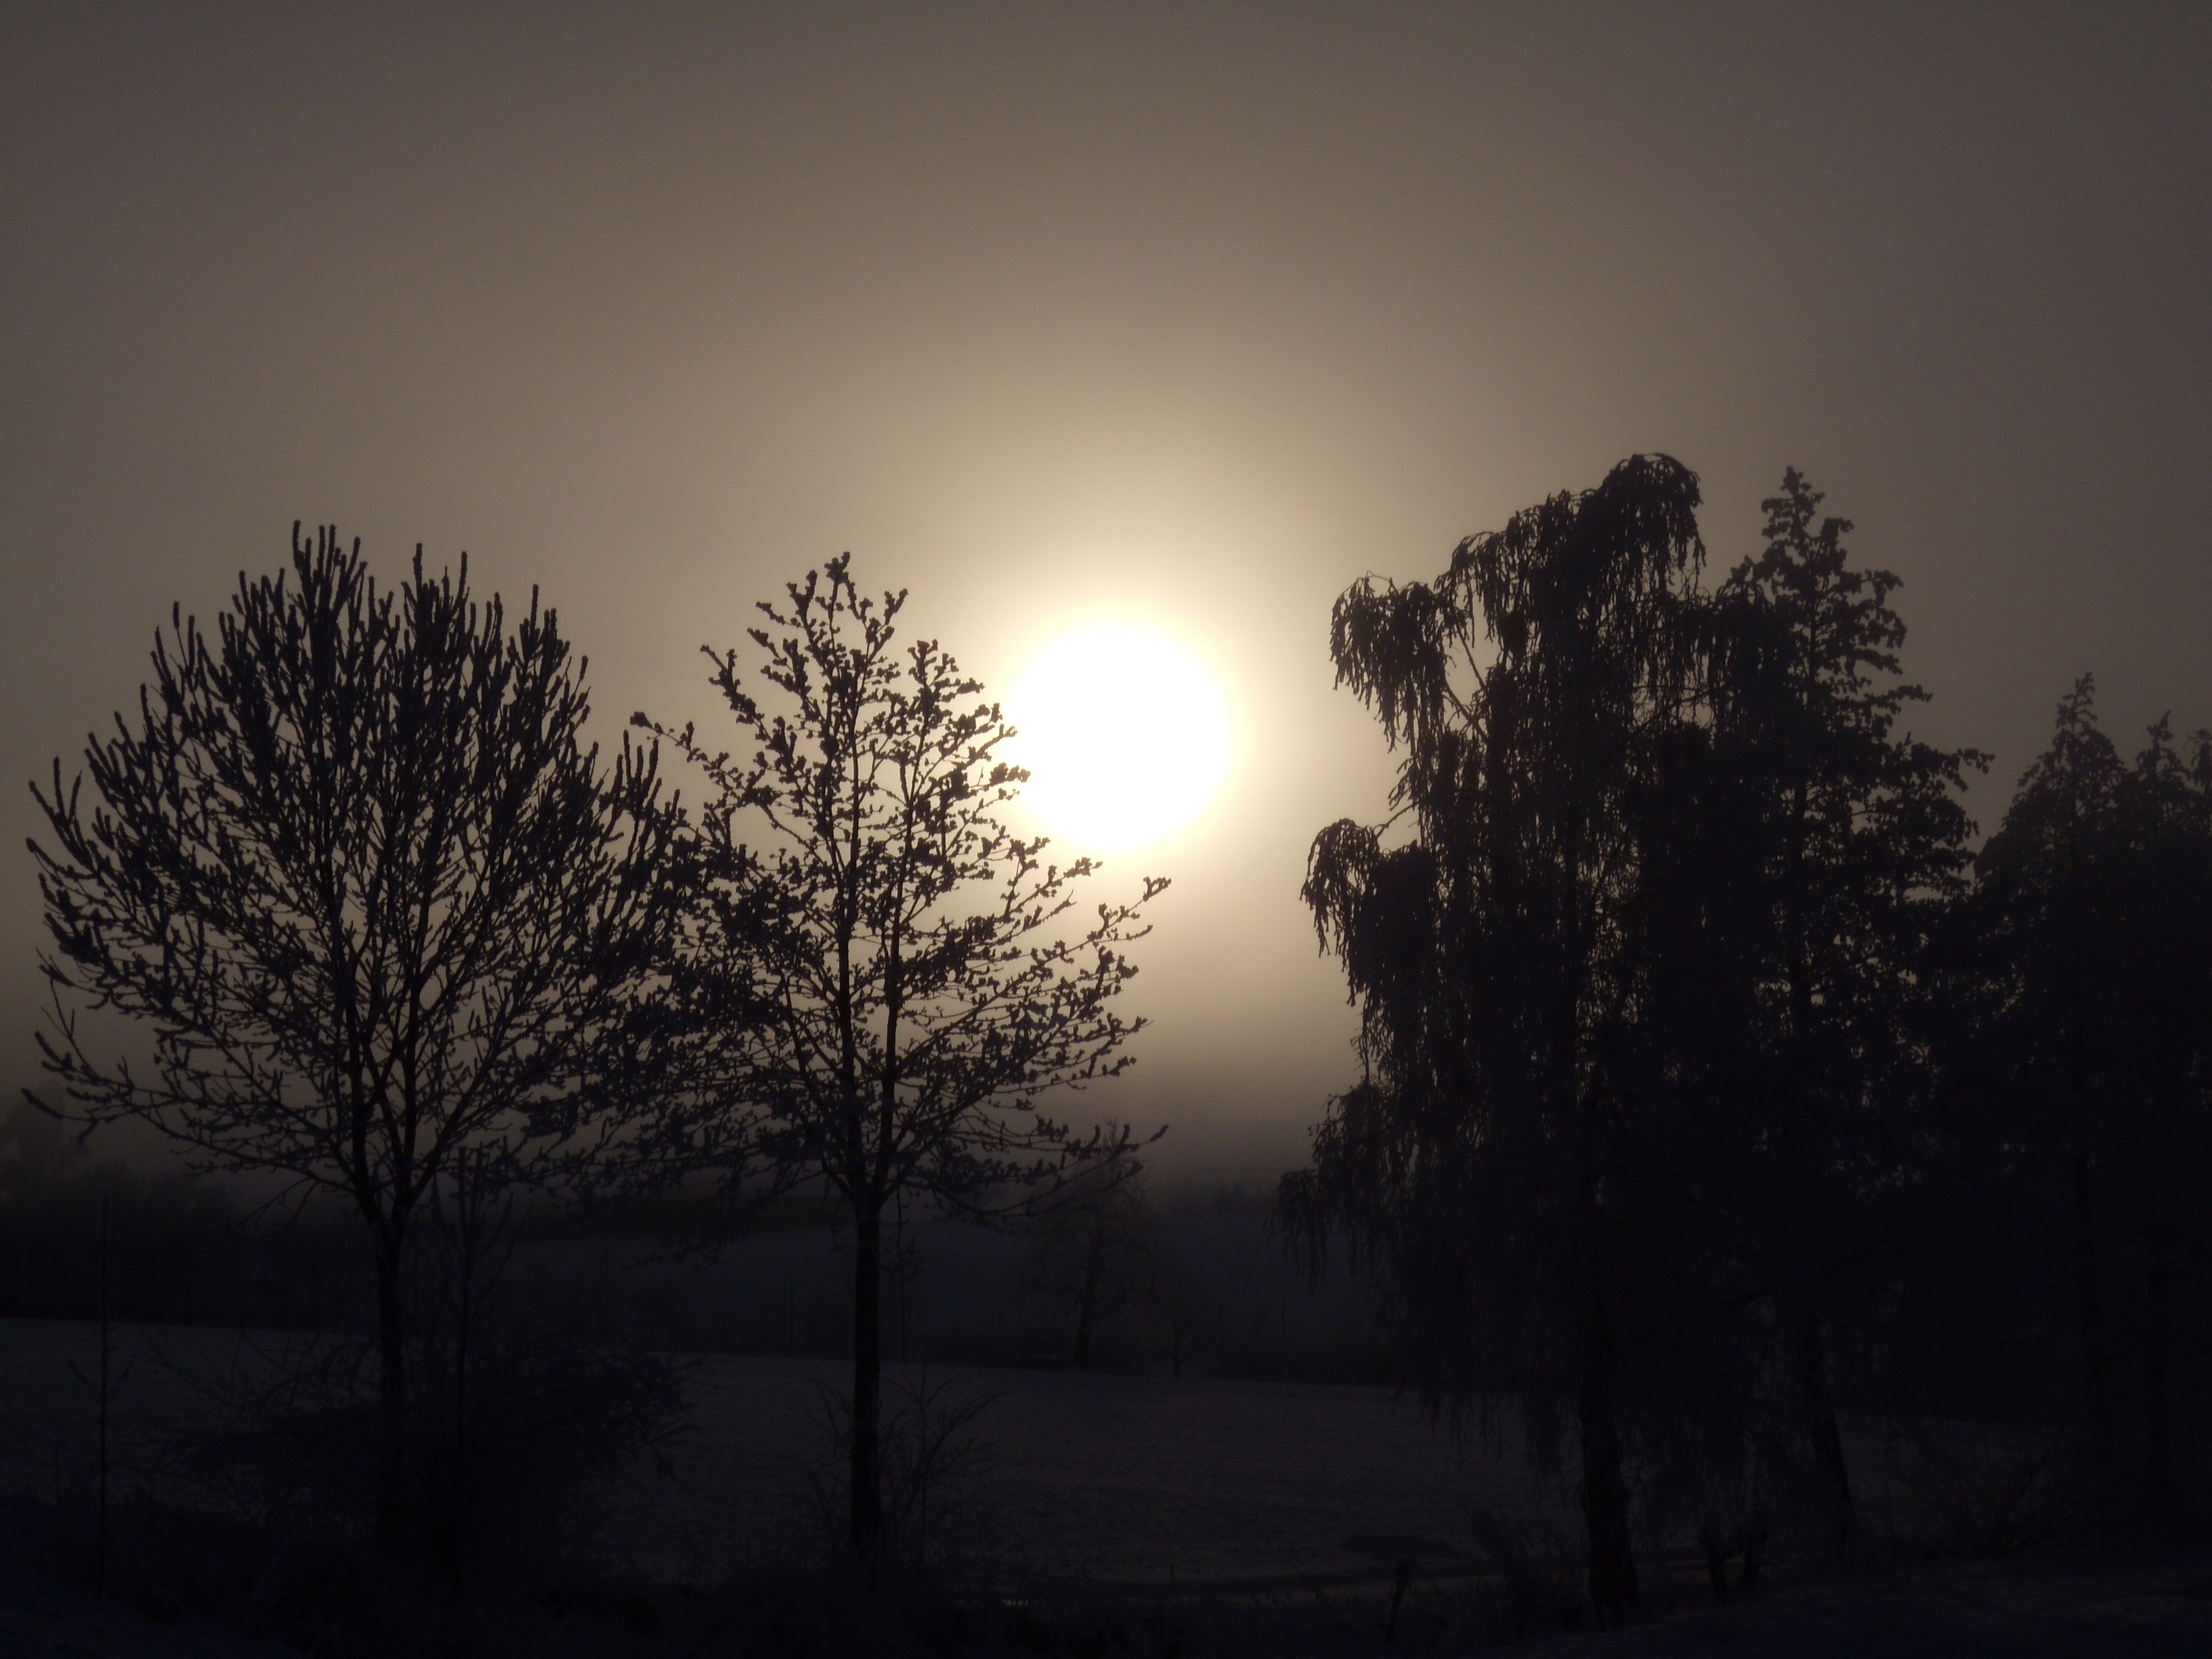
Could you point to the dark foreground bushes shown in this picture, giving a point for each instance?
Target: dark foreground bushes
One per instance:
(265, 1507)
(314, 1592)
(508, 1449)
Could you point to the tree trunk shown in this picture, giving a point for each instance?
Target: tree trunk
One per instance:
(392, 1483)
(1605, 1494)
(1825, 1433)
(2096, 1400)
(868, 1380)
(1714, 1542)
(1087, 1305)
(2158, 1288)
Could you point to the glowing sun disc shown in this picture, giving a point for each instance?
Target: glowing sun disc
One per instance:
(1125, 734)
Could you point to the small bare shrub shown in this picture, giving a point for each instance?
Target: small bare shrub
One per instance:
(515, 1422)
(282, 1440)
(1994, 1490)
(1539, 1572)
(931, 1460)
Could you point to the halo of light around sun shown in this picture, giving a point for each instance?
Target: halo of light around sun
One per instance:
(1125, 734)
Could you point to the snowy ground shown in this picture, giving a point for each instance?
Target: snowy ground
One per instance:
(1117, 1479)
(1266, 1493)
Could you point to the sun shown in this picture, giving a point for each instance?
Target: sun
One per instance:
(1125, 735)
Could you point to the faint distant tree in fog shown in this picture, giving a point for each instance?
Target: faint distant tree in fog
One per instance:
(1544, 692)
(1178, 1313)
(2093, 918)
(1830, 849)
(1096, 1252)
(879, 962)
(379, 903)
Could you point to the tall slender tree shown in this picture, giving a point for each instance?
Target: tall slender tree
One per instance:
(2165, 893)
(897, 984)
(1842, 842)
(2048, 935)
(380, 904)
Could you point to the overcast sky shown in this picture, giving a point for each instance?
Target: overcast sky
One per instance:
(1192, 314)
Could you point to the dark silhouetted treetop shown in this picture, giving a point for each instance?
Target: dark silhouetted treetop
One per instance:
(1866, 831)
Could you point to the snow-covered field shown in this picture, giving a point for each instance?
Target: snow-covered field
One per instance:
(1122, 1481)
(1120, 1478)
(1111, 1479)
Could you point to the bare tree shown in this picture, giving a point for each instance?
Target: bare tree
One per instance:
(894, 990)
(380, 904)
(1178, 1313)
(1096, 1253)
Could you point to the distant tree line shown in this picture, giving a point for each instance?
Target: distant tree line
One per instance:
(182, 1251)
(1714, 1083)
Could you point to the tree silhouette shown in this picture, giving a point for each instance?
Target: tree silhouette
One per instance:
(1839, 845)
(894, 993)
(2092, 916)
(2050, 935)
(378, 902)
(1544, 692)
(2165, 891)
(1096, 1252)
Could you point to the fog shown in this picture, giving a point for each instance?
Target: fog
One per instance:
(1187, 315)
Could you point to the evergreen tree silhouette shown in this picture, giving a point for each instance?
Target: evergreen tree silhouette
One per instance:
(1841, 843)
(2093, 919)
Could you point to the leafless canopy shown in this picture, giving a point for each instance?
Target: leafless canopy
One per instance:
(901, 982)
(356, 871)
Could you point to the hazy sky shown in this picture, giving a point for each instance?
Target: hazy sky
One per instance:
(1191, 314)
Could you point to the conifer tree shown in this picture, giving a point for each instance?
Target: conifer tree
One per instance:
(2092, 916)
(1840, 844)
